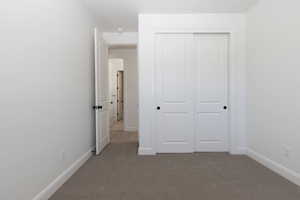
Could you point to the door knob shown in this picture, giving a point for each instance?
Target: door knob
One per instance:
(158, 108)
(225, 107)
(97, 107)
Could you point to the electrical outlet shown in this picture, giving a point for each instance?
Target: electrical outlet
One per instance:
(63, 155)
(286, 152)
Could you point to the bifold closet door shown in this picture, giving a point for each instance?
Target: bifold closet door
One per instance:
(211, 114)
(174, 122)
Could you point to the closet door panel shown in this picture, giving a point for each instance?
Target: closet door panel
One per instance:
(174, 95)
(211, 61)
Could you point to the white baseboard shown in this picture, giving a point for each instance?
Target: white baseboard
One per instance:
(276, 167)
(46, 193)
(130, 129)
(146, 151)
(239, 151)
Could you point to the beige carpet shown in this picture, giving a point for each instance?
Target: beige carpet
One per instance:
(118, 126)
(119, 174)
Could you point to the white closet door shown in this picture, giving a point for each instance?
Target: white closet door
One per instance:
(211, 55)
(174, 95)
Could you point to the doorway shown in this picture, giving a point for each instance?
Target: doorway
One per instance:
(116, 93)
(123, 93)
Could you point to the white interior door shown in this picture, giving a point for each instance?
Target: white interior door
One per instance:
(101, 93)
(174, 95)
(191, 93)
(211, 70)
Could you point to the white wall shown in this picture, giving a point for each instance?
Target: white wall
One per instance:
(148, 25)
(115, 65)
(116, 39)
(129, 55)
(46, 92)
(273, 83)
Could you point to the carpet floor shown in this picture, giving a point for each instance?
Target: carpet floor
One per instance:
(120, 174)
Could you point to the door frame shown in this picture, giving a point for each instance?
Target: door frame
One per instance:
(231, 98)
(123, 95)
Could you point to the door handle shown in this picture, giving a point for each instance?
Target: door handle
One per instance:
(158, 107)
(225, 107)
(97, 107)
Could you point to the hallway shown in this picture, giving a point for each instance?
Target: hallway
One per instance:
(120, 174)
(118, 136)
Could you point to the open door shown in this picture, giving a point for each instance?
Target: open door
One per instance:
(101, 93)
(120, 95)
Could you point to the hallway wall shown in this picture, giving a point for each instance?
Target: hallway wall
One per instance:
(46, 84)
(273, 83)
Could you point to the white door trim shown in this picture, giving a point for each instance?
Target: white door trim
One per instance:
(233, 102)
